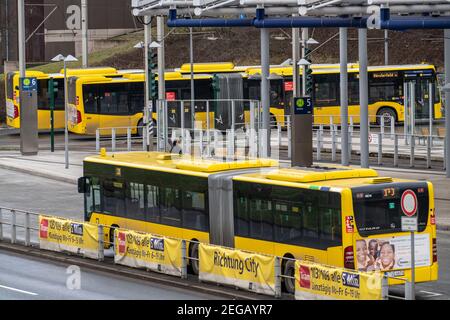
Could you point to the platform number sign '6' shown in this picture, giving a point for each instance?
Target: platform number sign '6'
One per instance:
(28, 84)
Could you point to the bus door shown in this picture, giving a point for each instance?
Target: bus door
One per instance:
(90, 104)
(326, 99)
(114, 107)
(419, 94)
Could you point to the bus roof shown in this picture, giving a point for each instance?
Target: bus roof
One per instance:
(318, 178)
(162, 161)
(287, 71)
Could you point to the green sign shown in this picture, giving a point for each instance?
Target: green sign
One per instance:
(303, 105)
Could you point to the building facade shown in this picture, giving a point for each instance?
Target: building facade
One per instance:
(54, 26)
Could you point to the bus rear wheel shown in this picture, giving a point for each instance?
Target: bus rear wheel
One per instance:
(289, 271)
(193, 255)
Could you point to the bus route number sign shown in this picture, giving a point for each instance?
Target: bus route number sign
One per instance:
(303, 105)
(28, 84)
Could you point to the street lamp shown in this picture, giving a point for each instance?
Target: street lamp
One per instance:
(66, 59)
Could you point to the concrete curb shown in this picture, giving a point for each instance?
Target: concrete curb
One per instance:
(226, 292)
(41, 174)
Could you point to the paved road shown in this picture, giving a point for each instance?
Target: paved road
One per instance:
(23, 278)
(27, 192)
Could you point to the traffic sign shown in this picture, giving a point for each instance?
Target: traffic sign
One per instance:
(409, 224)
(373, 138)
(409, 203)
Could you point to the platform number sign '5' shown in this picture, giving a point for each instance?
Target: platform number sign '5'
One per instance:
(409, 203)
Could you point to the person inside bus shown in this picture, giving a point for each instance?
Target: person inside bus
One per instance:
(386, 260)
(364, 259)
(176, 148)
(373, 249)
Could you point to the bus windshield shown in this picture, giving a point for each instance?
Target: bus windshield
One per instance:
(378, 209)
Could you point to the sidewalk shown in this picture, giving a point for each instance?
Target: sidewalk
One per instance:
(52, 166)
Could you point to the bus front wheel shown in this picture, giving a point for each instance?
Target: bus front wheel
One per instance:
(289, 273)
(388, 114)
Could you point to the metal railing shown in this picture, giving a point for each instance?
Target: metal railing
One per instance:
(28, 222)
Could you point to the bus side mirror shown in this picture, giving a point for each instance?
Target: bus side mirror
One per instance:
(83, 186)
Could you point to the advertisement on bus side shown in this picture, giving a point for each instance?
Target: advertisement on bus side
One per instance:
(63, 235)
(249, 271)
(318, 282)
(144, 250)
(392, 253)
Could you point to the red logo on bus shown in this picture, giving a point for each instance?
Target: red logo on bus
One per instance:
(122, 242)
(43, 230)
(289, 86)
(305, 277)
(349, 224)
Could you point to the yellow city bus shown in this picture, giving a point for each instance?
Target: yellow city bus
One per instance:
(102, 102)
(386, 97)
(13, 93)
(337, 216)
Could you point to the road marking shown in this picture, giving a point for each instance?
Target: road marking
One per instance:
(17, 290)
(431, 294)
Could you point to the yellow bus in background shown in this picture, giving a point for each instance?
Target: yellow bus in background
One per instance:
(103, 102)
(336, 216)
(12, 95)
(386, 86)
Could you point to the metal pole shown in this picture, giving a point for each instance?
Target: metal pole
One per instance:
(97, 140)
(161, 61)
(66, 133)
(51, 89)
(265, 87)
(84, 32)
(21, 36)
(363, 98)
(386, 47)
(413, 267)
(27, 229)
(295, 59)
(430, 107)
(304, 39)
(447, 102)
(395, 150)
(343, 35)
(191, 56)
(147, 40)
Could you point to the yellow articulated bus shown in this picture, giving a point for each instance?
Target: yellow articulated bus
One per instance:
(13, 93)
(337, 216)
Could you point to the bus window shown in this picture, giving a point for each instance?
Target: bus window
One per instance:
(135, 201)
(90, 98)
(384, 89)
(330, 217)
(326, 90)
(114, 198)
(288, 223)
(276, 93)
(241, 222)
(152, 206)
(113, 99)
(353, 90)
(194, 213)
(93, 198)
(310, 221)
(261, 219)
(170, 206)
(136, 97)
